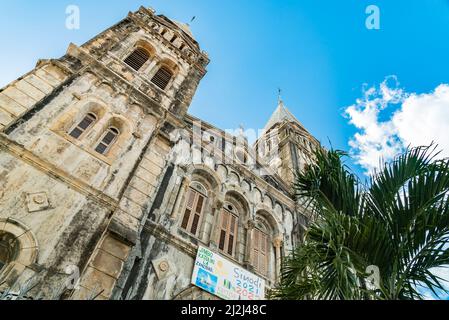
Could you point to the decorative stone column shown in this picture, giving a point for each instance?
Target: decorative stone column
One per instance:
(250, 225)
(182, 191)
(214, 236)
(277, 243)
(169, 204)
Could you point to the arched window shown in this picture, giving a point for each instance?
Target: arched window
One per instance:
(193, 211)
(108, 139)
(162, 77)
(228, 230)
(9, 248)
(260, 254)
(85, 124)
(138, 58)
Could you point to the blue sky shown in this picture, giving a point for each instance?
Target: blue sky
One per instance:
(318, 51)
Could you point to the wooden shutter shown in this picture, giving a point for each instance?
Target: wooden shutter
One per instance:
(260, 251)
(223, 230)
(137, 59)
(193, 211)
(162, 78)
(232, 235)
(197, 214)
(256, 249)
(228, 232)
(263, 256)
(188, 209)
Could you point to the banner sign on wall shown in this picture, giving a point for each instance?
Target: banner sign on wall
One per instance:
(224, 279)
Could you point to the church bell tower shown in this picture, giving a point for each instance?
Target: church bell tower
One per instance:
(84, 141)
(285, 145)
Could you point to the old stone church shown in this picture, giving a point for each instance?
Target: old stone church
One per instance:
(104, 173)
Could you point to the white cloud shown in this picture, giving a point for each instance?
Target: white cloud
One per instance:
(411, 120)
(424, 119)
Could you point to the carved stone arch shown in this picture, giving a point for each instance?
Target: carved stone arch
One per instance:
(262, 223)
(222, 171)
(106, 86)
(125, 129)
(138, 40)
(169, 63)
(24, 249)
(237, 177)
(144, 42)
(245, 183)
(277, 206)
(75, 113)
(238, 199)
(268, 201)
(265, 214)
(164, 74)
(198, 186)
(199, 194)
(205, 174)
(95, 104)
(138, 52)
(125, 126)
(257, 195)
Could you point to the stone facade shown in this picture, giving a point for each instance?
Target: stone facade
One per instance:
(120, 213)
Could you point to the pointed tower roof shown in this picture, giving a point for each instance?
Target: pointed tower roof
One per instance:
(280, 115)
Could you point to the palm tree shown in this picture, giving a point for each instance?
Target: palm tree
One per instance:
(375, 240)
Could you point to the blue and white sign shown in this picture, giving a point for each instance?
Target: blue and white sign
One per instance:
(218, 276)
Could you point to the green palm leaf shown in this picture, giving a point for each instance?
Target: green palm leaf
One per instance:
(398, 223)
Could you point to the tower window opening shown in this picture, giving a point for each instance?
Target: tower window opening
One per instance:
(9, 249)
(87, 122)
(109, 138)
(137, 59)
(162, 78)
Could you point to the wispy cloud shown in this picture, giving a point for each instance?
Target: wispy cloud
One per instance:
(388, 120)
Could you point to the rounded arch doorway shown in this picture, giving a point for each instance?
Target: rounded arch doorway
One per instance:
(9, 249)
(18, 249)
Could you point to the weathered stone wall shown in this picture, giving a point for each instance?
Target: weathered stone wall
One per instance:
(38, 111)
(23, 94)
(117, 217)
(161, 264)
(66, 231)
